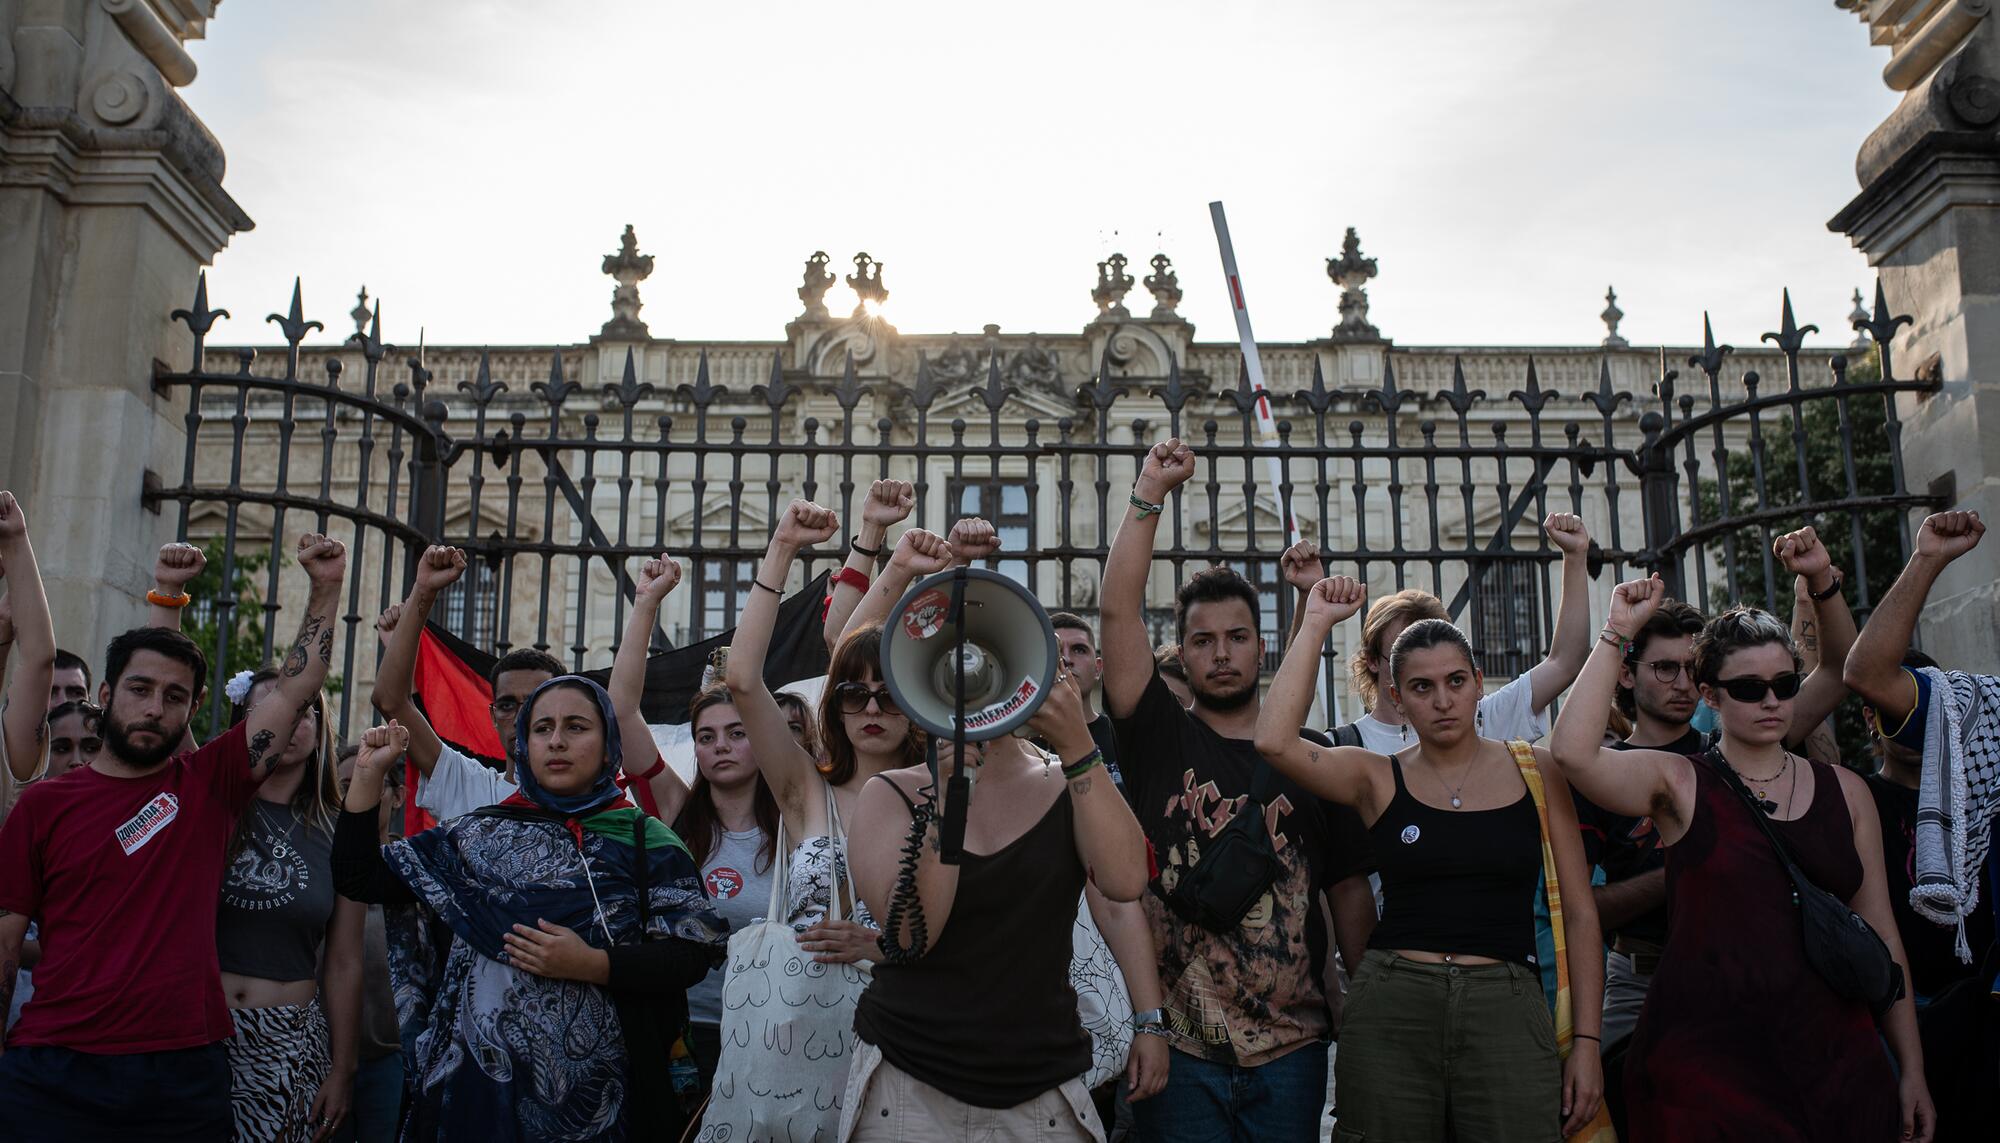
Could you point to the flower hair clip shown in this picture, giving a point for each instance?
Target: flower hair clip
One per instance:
(238, 686)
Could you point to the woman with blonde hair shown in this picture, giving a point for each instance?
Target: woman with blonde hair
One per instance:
(280, 930)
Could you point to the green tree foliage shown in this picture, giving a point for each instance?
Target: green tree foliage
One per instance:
(1826, 467)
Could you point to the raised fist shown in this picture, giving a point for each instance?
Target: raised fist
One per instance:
(13, 525)
(1633, 602)
(1802, 553)
(973, 539)
(177, 566)
(324, 558)
(1949, 535)
(922, 553)
(1166, 468)
(385, 624)
(1301, 565)
(439, 567)
(1335, 599)
(382, 745)
(1567, 533)
(658, 577)
(806, 524)
(889, 502)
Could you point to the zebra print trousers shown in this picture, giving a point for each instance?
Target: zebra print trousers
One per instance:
(277, 1061)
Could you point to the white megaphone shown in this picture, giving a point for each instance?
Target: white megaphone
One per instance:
(1009, 655)
(967, 681)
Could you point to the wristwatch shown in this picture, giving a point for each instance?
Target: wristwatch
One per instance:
(1153, 1021)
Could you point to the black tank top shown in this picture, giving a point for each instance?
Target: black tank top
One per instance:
(1458, 881)
(988, 1016)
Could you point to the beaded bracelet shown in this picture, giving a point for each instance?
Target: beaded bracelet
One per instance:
(158, 600)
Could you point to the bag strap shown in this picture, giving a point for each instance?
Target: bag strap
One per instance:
(1348, 735)
(1757, 814)
(837, 839)
(780, 875)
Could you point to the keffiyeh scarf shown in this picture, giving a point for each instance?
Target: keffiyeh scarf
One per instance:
(1957, 797)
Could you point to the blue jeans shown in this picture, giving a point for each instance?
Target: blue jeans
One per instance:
(378, 1102)
(1207, 1102)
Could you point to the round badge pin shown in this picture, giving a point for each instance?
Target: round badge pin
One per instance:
(1411, 834)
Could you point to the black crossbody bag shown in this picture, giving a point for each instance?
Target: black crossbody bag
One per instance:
(1237, 867)
(1840, 944)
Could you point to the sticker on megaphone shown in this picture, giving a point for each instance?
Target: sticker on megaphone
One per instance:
(926, 615)
(1006, 708)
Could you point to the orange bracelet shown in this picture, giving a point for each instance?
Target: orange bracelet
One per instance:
(158, 600)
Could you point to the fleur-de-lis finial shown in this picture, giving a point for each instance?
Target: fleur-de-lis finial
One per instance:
(293, 323)
(629, 390)
(482, 387)
(1790, 335)
(200, 319)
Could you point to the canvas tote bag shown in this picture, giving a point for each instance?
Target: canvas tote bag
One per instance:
(787, 1025)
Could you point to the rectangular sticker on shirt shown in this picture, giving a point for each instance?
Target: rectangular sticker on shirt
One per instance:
(145, 825)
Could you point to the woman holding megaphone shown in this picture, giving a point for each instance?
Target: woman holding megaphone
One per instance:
(970, 1019)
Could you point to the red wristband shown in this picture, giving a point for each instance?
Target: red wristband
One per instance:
(659, 764)
(848, 575)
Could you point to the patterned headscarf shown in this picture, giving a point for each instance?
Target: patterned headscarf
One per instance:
(602, 793)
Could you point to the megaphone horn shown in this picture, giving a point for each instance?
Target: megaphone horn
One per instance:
(1007, 648)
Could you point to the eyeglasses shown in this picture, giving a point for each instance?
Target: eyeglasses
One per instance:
(506, 707)
(853, 698)
(1752, 690)
(1667, 670)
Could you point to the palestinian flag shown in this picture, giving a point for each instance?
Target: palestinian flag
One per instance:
(451, 688)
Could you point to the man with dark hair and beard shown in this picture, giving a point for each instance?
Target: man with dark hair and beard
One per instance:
(119, 862)
(1246, 1011)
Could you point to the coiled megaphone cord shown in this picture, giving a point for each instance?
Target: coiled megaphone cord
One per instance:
(904, 903)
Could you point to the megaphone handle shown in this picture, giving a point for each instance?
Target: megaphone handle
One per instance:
(951, 831)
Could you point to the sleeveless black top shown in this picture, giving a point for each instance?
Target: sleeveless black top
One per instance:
(987, 1016)
(1458, 881)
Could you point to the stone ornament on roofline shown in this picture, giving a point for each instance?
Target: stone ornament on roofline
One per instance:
(866, 282)
(813, 291)
(1166, 289)
(628, 268)
(1113, 283)
(1351, 272)
(1612, 315)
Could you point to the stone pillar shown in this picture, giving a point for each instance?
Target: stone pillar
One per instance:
(111, 201)
(1928, 218)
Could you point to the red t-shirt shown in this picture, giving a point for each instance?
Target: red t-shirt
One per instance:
(124, 876)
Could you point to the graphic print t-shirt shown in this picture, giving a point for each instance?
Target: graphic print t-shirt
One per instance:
(277, 896)
(1251, 995)
(122, 874)
(737, 880)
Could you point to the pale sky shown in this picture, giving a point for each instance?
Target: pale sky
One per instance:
(472, 161)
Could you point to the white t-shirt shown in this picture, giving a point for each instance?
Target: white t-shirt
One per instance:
(1506, 714)
(459, 785)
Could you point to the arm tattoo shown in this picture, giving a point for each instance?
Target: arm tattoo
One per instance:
(259, 743)
(1809, 636)
(1080, 787)
(1312, 755)
(309, 632)
(326, 646)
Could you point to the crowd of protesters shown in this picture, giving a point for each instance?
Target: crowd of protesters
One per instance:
(1590, 903)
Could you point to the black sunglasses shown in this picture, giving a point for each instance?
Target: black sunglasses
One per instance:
(853, 698)
(1752, 690)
